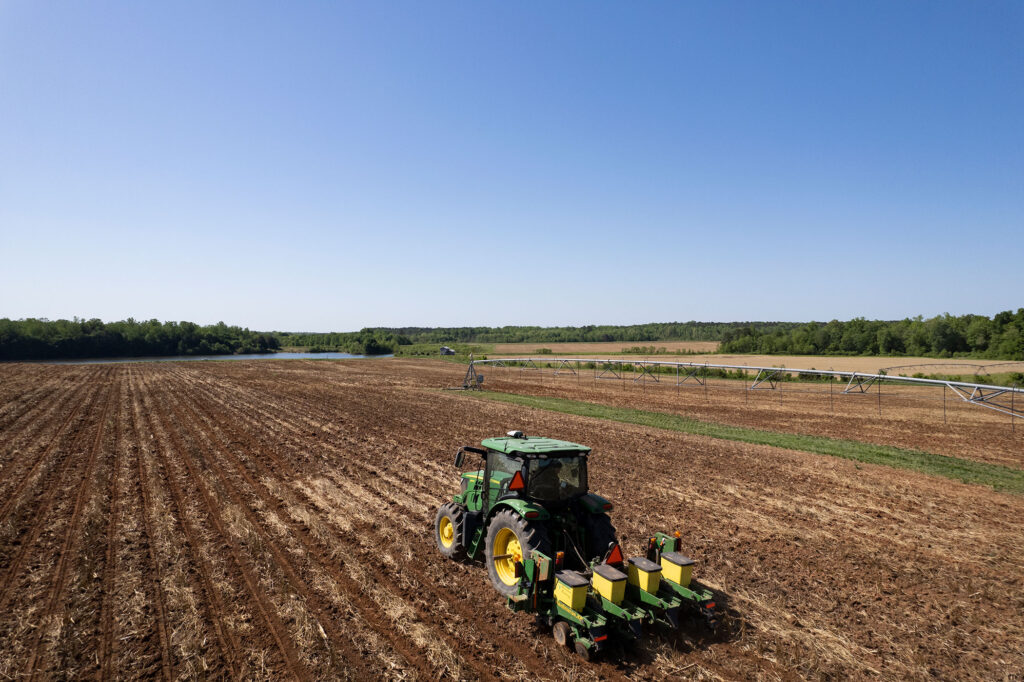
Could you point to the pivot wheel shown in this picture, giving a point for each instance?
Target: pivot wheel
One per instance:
(562, 634)
(510, 539)
(448, 531)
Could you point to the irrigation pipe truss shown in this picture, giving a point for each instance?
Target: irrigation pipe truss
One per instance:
(1008, 400)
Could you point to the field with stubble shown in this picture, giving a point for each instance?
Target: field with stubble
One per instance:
(273, 519)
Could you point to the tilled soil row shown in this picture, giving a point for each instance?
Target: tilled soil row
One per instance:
(27, 388)
(29, 401)
(45, 538)
(30, 449)
(70, 554)
(31, 494)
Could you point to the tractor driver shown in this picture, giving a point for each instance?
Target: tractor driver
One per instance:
(547, 479)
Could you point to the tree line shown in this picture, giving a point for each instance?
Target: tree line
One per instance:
(378, 340)
(41, 339)
(998, 337)
(363, 342)
(653, 331)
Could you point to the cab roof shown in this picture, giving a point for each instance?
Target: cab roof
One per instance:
(534, 445)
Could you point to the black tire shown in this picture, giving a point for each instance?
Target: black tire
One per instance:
(456, 546)
(562, 634)
(600, 534)
(531, 537)
(583, 651)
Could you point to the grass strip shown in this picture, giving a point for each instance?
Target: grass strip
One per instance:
(998, 477)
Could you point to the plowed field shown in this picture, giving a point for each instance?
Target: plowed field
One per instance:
(274, 519)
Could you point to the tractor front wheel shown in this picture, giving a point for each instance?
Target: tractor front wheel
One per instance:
(448, 531)
(510, 539)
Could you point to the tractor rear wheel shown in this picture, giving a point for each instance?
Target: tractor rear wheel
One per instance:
(448, 531)
(510, 539)
(600, 534)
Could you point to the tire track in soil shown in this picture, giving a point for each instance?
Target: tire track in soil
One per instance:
(293, 666)
(70, 541)
(270, 501)
(136, 642)
(106, 633)
(522, 653)
(39, 518)
(108, 628)
(15, 495)
(213, 605)
(155, 574)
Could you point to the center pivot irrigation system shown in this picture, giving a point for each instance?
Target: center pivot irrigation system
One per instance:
(1007, 400)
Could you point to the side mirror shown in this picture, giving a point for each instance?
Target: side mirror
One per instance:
(460, 457)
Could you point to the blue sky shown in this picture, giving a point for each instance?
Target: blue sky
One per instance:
(328, 166)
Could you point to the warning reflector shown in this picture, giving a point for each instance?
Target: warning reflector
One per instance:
(615, 557)
(517, 482)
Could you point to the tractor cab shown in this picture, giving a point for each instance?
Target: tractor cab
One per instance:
(542, 470)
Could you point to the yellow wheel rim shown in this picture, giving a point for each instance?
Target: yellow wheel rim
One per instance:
(447, 531)
(507, 544)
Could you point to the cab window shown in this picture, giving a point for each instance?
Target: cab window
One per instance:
(559, 478)
(501, 465)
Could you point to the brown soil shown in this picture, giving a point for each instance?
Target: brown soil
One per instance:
(274, 519)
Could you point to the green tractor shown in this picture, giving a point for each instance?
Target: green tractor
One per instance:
(550, 547)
